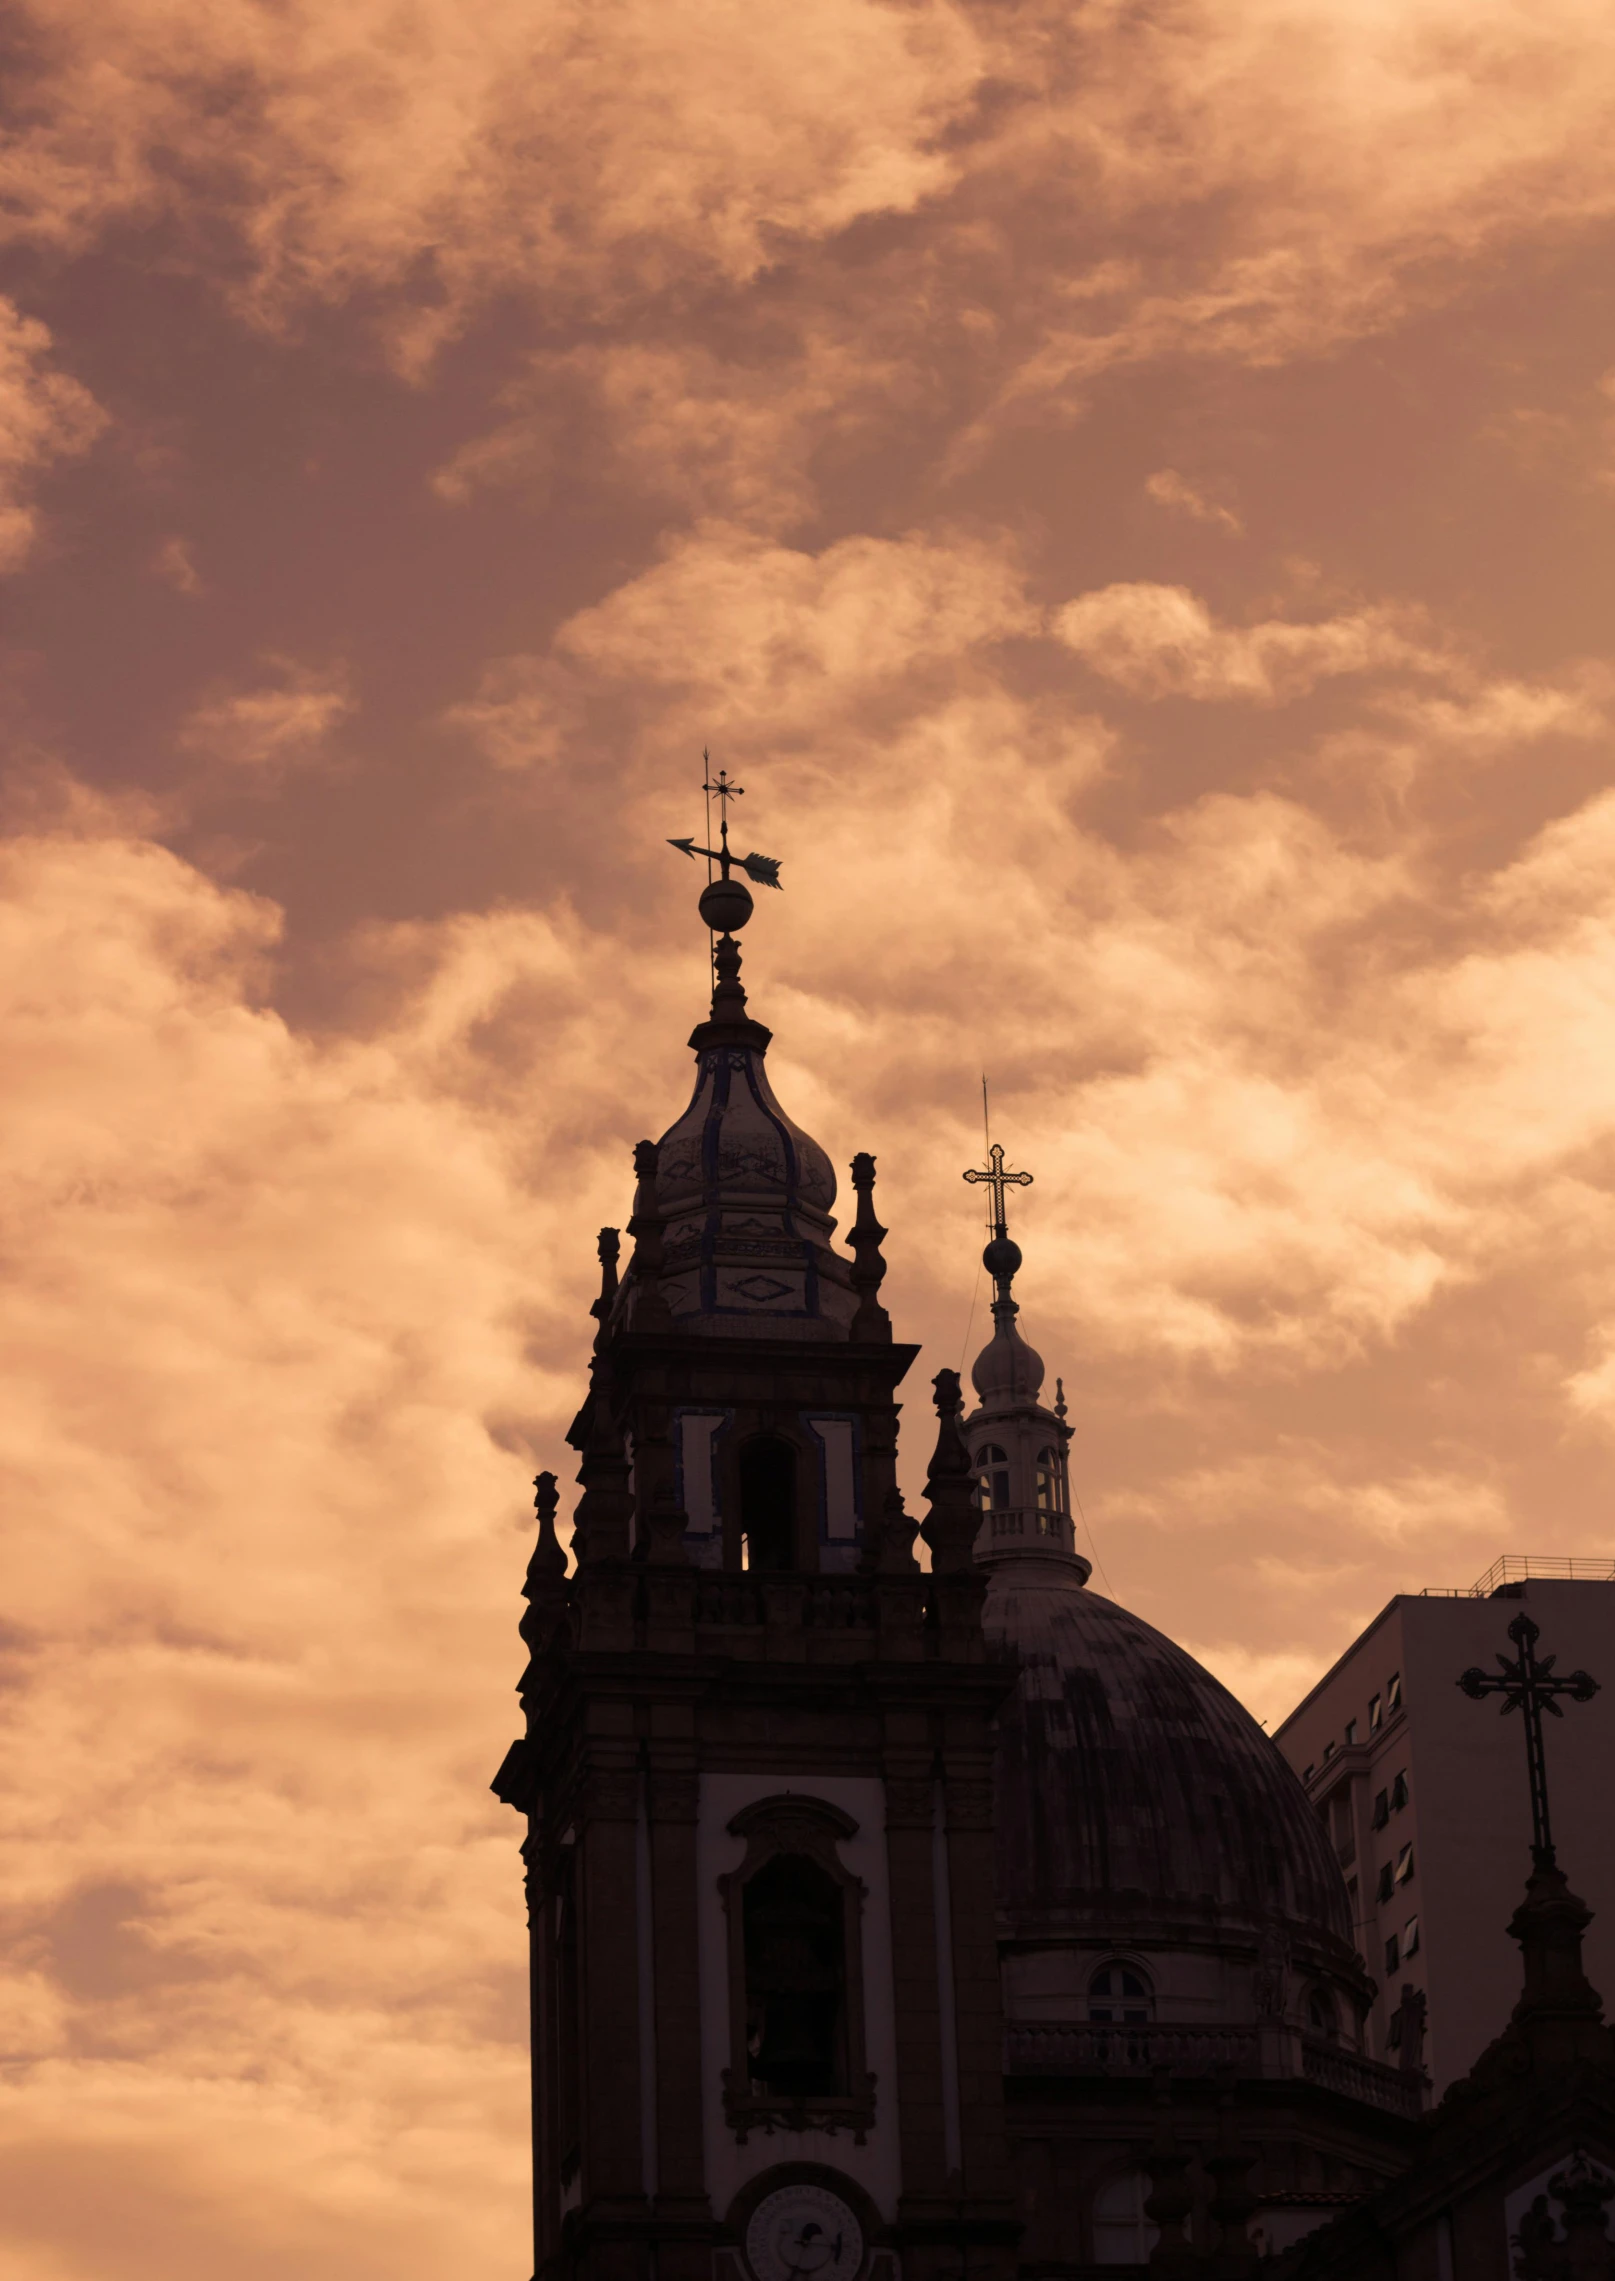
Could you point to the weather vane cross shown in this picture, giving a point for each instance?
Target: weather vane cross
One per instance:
(1528, 1684)
(997, 1179)
(764, 869)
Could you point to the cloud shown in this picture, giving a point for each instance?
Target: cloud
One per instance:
(352, 153)
(44, 416)
(675, 422)
(175, 565)
(731, 636)
(284, 723)
(265, 1296)
(1167, 488)
(1161, 641)
(1259, 184)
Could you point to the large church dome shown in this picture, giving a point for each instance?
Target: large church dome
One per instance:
(1126, 1769)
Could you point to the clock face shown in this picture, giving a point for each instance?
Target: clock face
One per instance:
(804, 2233)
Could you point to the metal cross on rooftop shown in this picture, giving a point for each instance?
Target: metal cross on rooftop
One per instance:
(764, 869)
(1528, 1684)
(997, 1179)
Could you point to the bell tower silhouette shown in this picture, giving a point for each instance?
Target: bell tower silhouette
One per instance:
(757, 1761)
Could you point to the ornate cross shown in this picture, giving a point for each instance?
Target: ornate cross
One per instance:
(997, 1179)
(764, 869)
(1527, 1684)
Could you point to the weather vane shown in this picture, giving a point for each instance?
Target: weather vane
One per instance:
(1526, 1684)
(764, 869)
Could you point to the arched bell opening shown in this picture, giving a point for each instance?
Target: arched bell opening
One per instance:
(768, 1501)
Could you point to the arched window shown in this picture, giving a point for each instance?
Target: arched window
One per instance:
(1122, 2234)
(796, 2001)
(1049, 1498)
(1120, 1994)
(768, 1501)
(992, 1480)
(796, 1981)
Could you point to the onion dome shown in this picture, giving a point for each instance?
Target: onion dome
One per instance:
(1007, 1372)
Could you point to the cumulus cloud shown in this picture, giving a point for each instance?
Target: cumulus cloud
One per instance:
(44, 416)
(732, 636)
(674, 422)
(279, 1347)
(286, 722)
(1167, 488)
(1162, 641)
(517, 149)
(1282, 178)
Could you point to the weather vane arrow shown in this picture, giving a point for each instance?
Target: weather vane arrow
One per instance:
(764, 869)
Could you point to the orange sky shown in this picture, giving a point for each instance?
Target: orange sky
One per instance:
(1129, 492)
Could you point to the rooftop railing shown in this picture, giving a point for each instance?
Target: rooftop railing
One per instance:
(1521, 1568)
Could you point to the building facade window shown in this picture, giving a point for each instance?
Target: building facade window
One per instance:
(1122, 2233)
(1399, 1792)
(992, 1481)
(1393, 1953)
(1322, 2016)
(1382, 1891)
(1393, 1692)
(796, 2006)
(1351, 1732)
(1410, 1938)
(768, 1501)
(1376, 1713)
(1120, 1993)
(1382, 1808)
(1404, 1865)
(1049, 1499)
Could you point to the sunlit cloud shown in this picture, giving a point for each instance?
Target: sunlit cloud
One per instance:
(1161, 641)
(45, 415)
(1167, 488)
(286, 722)
(1124, 492)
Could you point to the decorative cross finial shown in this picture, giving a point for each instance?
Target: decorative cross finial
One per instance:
(997, 1179)
(1526, 1684)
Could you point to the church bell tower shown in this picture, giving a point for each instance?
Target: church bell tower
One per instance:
(757, 1760)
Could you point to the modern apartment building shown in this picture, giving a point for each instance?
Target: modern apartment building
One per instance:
(1423, 1793)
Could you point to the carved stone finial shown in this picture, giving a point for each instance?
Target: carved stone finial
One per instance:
(603, 1525)
(868, 1267)
(950, 1484)
(609, 1245)
(545, 1587)
(648, 1310)
(1059, 1399)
